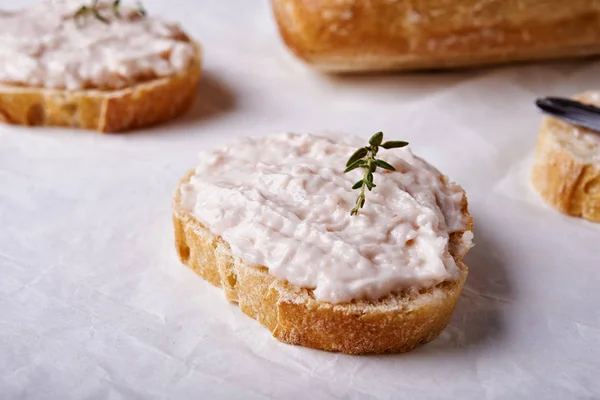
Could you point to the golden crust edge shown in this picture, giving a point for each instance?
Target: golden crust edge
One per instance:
(142, 105)
(398, 323)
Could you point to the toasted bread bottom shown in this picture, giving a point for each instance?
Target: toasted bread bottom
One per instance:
(397, 323)
(142, 105)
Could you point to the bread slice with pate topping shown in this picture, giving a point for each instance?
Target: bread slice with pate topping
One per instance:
(102, 68)
(385, 280)
(566, 172)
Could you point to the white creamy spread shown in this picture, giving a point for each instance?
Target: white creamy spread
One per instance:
(283, 202)
(582, 143)
(587, 145)
(43, 46)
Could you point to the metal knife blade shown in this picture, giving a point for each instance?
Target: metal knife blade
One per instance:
(571, 111)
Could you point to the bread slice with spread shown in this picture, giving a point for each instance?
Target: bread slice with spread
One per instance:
(269, 220)
(94, 65)
(566, 172)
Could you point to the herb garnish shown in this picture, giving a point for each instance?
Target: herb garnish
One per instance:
(365, 158)
(94, 10)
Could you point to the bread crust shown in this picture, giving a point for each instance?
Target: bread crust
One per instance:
(144, 104)
(565, 181)
(397, 323)
(376, 35)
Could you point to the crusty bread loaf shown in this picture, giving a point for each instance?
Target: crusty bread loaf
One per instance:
(566, 172)
(370, 35)
(145, 104)
(397, 323)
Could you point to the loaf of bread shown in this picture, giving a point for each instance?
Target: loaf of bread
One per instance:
(375, 35)
(114, 71)
(566, 172)
(397, 322)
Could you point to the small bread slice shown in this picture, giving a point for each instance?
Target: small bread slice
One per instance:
(566, 172)
(397, 323)
(145, 104)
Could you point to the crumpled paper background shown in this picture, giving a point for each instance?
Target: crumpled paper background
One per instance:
(94, 303)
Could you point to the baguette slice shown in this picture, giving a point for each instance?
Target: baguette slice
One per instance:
(145, 104)
(397, 323)
(376, 35)
(566, 171)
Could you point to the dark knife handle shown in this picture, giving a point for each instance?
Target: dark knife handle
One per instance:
(571, 111)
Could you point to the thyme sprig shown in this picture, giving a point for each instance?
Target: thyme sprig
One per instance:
(94, 9)
(364, 158)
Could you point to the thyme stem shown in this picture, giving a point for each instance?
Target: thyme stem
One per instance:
(365, 157)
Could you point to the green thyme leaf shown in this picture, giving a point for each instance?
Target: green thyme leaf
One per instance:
(99, 16)
(94, 9)
(357, 184)
(376, 139)
(354, 165)
(384, 165)
(393, 144)
(358, 154)
(115, 7)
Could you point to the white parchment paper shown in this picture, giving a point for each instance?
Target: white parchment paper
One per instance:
(94, 303)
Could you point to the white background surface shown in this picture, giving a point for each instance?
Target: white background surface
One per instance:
(94, 303)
